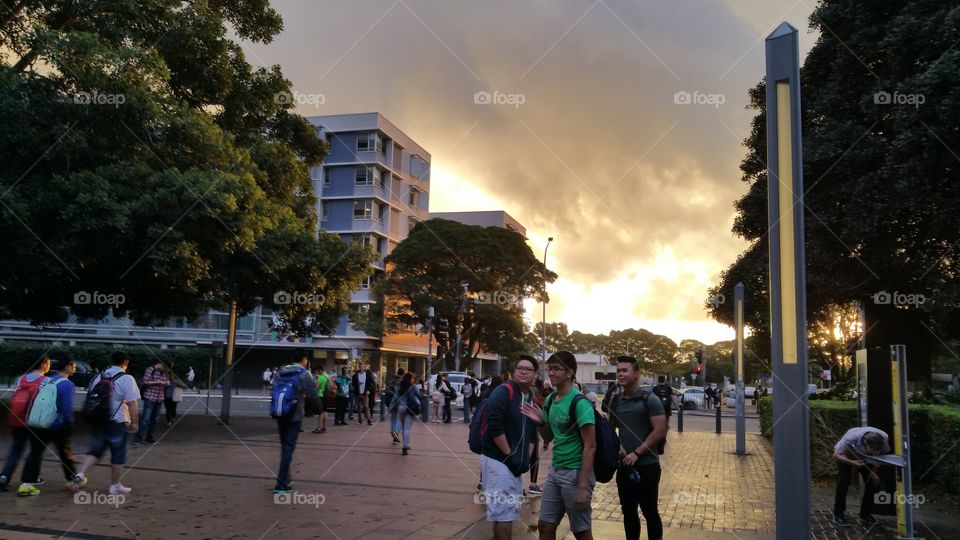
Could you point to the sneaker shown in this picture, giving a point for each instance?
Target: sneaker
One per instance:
(317, 430)
(152, 441)
(4, 483)
(369, 422)
(76, 483)
(396, 437)
(282, 488)
(27, 490)
(479, 487)
(535, 490)
(138, 442)
(119, 489)
(841, 521)
(406, 450)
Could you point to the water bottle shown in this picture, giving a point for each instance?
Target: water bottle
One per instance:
(634, 476)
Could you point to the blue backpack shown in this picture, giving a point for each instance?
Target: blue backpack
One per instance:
(286, 395)
(606, 460)
(478, 424)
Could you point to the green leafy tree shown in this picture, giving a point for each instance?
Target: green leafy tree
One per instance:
(429, 267)
(882, 185)
(142, 156)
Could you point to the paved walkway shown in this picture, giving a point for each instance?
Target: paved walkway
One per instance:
(204, 480)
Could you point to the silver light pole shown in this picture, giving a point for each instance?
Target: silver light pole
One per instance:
(543, 327)
(788, 315)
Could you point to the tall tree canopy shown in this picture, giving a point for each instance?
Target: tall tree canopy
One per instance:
(881, 138)
(142, 156)
(429, 267)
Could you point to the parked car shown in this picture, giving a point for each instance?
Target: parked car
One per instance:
(693, 397)
(84, 374)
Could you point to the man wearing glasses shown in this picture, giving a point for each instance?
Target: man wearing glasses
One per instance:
(570, 479)
(507, 446)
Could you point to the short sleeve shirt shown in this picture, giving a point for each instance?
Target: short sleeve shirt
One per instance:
(567, 445)
(124, 389)
(633, 419)
(851, 444)
(322, 384)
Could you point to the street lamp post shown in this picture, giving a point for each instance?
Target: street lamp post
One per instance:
(463, 307)
(543, 327)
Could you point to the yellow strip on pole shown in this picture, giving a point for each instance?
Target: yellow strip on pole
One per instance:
(788, 274)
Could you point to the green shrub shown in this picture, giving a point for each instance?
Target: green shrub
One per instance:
(934, 432)
(18, 358)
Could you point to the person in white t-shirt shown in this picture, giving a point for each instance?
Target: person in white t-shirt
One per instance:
(113, 434)
(851, 453)
(364, 387)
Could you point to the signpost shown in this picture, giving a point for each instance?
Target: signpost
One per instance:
(788, 317)
(741, 415)
(901, 441)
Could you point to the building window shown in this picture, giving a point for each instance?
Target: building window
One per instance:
(414, 198)
(365, 284)
(367, 142)
(363, 209)
(369, 176)
(361, 308)
(326, 177)
(365, 239)
(325, 211)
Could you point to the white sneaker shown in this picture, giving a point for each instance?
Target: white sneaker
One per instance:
(119, 489)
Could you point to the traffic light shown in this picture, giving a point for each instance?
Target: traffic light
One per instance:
(697, 368)
(443, 328)
(698, 356)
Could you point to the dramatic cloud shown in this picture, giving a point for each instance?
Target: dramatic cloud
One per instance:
(617, 127)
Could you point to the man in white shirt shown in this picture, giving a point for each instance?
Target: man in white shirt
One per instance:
(124, 420)
(364, 388)
(850, 452)
(267, 378)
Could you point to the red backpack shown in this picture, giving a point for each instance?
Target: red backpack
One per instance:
(22, 400)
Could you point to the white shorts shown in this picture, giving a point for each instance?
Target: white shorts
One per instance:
(502, 491)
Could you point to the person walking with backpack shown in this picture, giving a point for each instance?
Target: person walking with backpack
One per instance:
(293, 386)
(155, 383)
(111, 411)
(407, 398)
(343, 398)
(637, 413)
(390, 401)
(24, 394)
(570, 478)
(507, 440)
(62, 428)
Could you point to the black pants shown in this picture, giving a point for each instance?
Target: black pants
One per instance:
(447, 414)
(843, 484)
(644, 496)
(21, 436)
(289, 433)
(59, 440)
(171, 407)
(339, 416)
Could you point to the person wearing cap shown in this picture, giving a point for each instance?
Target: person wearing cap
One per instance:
(61, 430)
(570, 479)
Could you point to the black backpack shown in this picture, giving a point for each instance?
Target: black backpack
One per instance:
(97, 409)
(606, 460)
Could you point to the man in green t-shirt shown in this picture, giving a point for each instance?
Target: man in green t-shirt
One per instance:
(322, 378)
(637, 414)
(570, 480)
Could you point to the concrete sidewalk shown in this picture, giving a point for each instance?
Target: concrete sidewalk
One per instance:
(204, 480)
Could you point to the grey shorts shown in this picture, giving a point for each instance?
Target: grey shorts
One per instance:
(558, 495)
(502, 491)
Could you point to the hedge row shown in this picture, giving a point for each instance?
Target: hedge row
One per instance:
(17, 358)
(934, 433)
